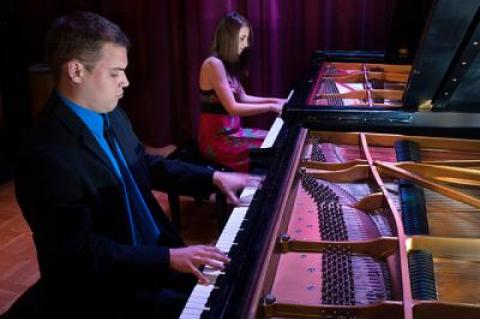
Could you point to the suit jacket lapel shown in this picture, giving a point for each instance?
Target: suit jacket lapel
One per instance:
(76, 126)
(126, 140)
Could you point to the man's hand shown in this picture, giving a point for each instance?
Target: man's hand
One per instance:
(230, 183)
(188, 259)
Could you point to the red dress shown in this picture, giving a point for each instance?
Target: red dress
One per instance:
(221, 139)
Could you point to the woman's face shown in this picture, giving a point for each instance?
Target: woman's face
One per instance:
(243, 37)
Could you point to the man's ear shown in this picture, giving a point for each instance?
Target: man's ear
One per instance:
(76, 71)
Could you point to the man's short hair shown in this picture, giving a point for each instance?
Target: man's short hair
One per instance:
(80, 35)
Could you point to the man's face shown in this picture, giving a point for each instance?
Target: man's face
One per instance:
(102, 86)
(243, 36)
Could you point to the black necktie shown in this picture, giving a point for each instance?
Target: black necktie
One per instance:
(144, 228)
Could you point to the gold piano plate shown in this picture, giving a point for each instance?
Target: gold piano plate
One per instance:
(342, 248)
(360, 84)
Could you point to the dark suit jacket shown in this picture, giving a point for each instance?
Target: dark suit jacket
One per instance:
(73, 203)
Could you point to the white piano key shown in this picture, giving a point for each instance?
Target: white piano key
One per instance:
(199, 291)
(186, 315)
(196, 303)
(192, 309)
(202, 288)
(196, 297)
(197, 306)
(272, 133)
(213, 275)
(290, 95)
(246, 196)
(212, 271)
(226, 240)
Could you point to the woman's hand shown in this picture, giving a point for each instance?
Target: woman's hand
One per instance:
(277, 106)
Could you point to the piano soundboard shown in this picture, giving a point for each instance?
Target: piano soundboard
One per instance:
(364, 226)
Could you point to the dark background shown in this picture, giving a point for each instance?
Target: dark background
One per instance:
(171, 38)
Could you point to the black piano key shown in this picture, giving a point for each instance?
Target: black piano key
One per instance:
(214, 295)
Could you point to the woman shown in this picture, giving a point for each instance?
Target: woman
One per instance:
(223, 99)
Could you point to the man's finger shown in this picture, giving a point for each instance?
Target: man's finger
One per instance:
(214, 263)
(212, 248)
(211, 254)
(220, 256)
(254, 181)
(202, 279)
(232, 197)
(214, 253)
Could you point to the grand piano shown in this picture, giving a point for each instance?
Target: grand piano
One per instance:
(371, 204)
(436, 95)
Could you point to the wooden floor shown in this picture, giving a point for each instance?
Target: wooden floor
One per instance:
(18, 264)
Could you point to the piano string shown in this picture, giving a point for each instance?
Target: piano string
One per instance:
(359, 85)
(344, 250)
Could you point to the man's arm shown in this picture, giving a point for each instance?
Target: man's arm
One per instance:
(61, 215)
(189, 179)
(163, 174)
(184, 178)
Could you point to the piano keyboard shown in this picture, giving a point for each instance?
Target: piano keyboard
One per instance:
(272, 133)
(198, 302)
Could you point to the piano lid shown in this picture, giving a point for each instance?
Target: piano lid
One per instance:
(446, 69)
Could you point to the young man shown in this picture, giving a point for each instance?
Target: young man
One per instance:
(105, 248)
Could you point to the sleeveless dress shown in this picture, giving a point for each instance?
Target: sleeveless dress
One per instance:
(221, 139)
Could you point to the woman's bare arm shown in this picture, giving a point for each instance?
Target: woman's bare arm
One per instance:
(215, 74)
